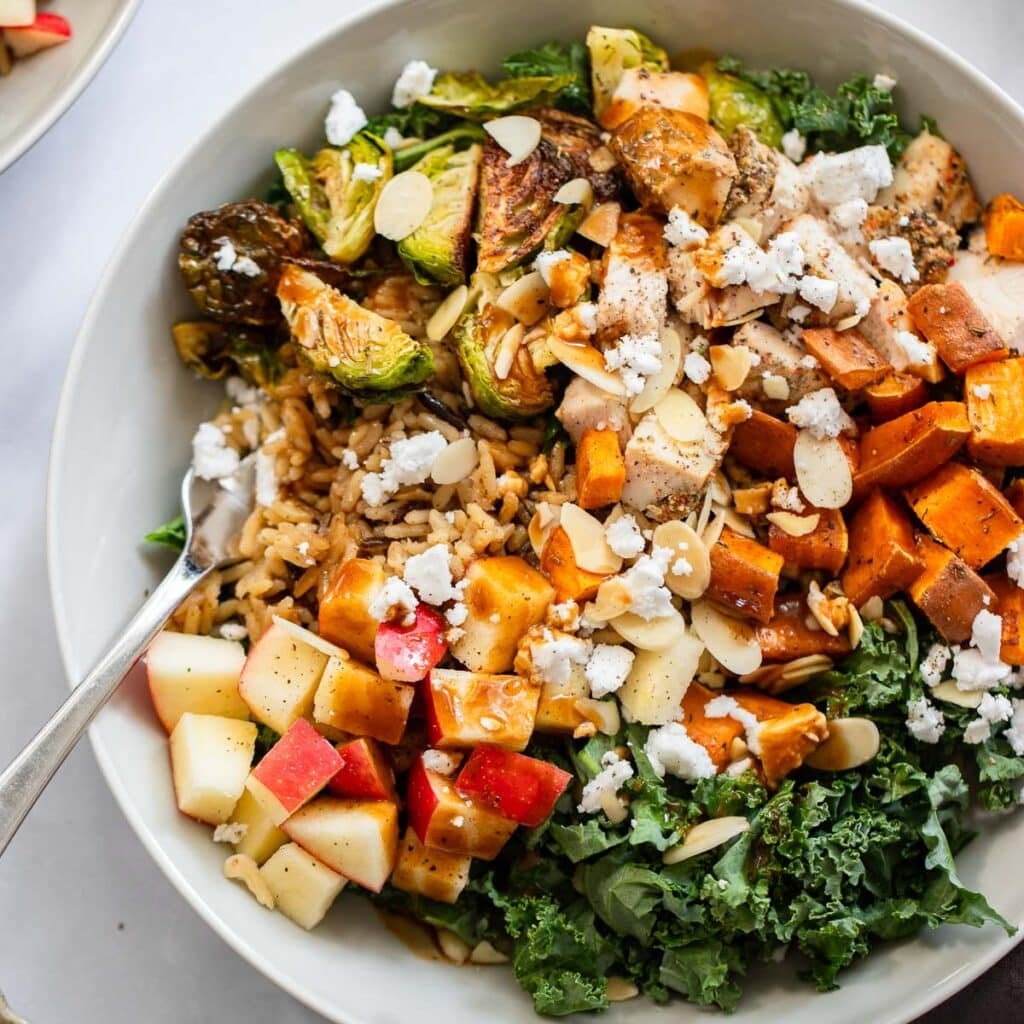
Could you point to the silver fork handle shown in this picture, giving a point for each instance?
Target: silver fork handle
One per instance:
(27, 775)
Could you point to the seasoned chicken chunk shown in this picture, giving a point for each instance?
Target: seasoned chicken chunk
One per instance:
(789, 197)
(932, 241)
(586, 407)
(997, 288)
(888, 319)
(634, 290)
(779, 358)
(756, 166)
(642, 87)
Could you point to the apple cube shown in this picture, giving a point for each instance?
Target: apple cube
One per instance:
(504, 597)
(522, 788)
(444, 820)
(365, 773)
(293, 771)
(436, 874)
(408, 653)
(468, 708)
(17, 12)
(262, 837)
(356, 700)
(47, 30)
(194, 673)
(303, 887)
(210, 758)
(281, 674)
(558, 712)
(356, 838)
(345, 615)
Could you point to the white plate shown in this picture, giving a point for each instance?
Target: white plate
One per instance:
(128, 410)
(41, 87)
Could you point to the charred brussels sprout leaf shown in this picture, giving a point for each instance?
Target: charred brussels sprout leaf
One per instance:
(368, 355)
(615, 50)
(469, 94)
(214, 350)
(524, 392)
(559, 59)
(221, 248)
(438, 250)
(735, 102)
(334, 202)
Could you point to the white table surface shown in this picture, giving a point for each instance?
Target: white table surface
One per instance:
(90, 930)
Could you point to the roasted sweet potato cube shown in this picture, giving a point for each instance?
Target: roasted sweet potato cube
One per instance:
(600, 469)
(995, 407)
(1015, 496)
(883, 557)
(825, 547)
(966, 513)
(1009, 606)
(765, 444)
(949, 318)
(1004, 227)
(786, 636)
(846, 357)
(910, 447)
(948, 591)
(558, 563)
(895, 395)
(715, 735)
(744, 575)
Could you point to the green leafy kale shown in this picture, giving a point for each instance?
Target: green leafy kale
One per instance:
(171, 534)
(565, 60)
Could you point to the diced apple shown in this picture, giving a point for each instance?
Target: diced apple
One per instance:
(443, 820)
(365, 773)
(210, 758)
(303, 887)
(467, 708)
(522, 788)
(354, 699)
(436, 874)
(345, 617)
(17, 12)
(558, 711)
(194, 673)
(657, 682)
(293, 771)
(356, 838)
(262, 837)
(47, 30)
(504, 597)
(408, 653)
(281, 674)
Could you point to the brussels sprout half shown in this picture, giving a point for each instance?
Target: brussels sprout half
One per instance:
(614, 50)
(335, 205)
(368, 355)
(214, 350)
(438, 250)
(735, 102)
(468, 94)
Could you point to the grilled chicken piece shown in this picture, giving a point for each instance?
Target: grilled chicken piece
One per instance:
(780, 357)
(888, 317)
(586, 407)
(634, 291)
(933, 241)
(997, 288)
(756, 166)
(642, 87)
(699, 302)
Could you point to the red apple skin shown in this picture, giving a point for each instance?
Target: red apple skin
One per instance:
(47, 30)
(522, 788)
(297, 766)
(365, 773)
(407, 653)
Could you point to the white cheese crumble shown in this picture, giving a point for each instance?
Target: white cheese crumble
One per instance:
(821, 414)
(645, 583)
(267, 485)
(848, 218)
(818, 291)
(344, 118)
(982, 391)
(773, 270)
(798, 314)
(934, 664)
(682, 567)
(727, 707)
(1014, 734)
(671, 751)
(607, 668)
(775, 387)
(553, 658)
(242, 393)
(349, 459)
(1015, 561)
(794, 145)
(430, 575)
(918, 352)
(440, 761)
(624, 537)
(696, 367)
(230, 832)
(366, 172)
(836, 178)
(586, 314)
(635, 357)
(884, 82)
(212, 457)
(457, 614)
(546, 260)
(682, 230)
(895, 255)
(979, 667)
(409, 463)
(992, 710)
(613, 775)
(395, 599)
(393, 138)
(228, 259)
(925, 721)
(415, 82)
(233, 631)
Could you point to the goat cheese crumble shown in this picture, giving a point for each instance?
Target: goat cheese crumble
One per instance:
(607, 668)
(884, 82)
(794, 145)
(212, 456)
(696, 367)
(624, 537)
(895, 256)
(410, 462)
(553, 658)
(934, 664)
(683, 231)
(925, 722)
(344, 118)
(228, 259)
(613, 775)
(230, 832)
(727, 707)
(918, 352)
(415, 82)
(394, 600)
(546, 260)
(979, 666)
(645, 583)
(430, 575)
(982, 391)
(818, 291)
(836, 178)
(393, 138)
(1014, 734)
(821, 414)
(671, 751)
(1015, 561)
(635, 357)
(366, 172)
(992, 710)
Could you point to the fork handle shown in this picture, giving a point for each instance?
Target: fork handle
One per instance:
(26, 777)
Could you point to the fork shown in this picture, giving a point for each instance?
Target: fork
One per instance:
(214, 513)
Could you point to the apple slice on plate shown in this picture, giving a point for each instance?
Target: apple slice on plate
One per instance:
(17, 12)
(354, 699)
(262, 837)
(467, 708)
(45, 31)
(436, 874)
(210, 758)
(522, 788)
(365, 773)
(303, 887)
(408, 653)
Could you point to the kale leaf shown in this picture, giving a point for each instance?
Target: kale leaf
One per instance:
(171, 534)
(557, 59)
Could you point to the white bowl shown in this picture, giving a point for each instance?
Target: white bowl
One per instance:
(41, 87)
(128, 410)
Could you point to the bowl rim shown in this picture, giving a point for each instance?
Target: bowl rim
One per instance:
(29, 134)
(917, 1003)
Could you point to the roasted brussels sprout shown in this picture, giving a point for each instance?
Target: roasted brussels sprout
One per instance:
(517, 214)
(614, 50)
(335, 202)
(367, 354)
(231, 260)
(469, 94)
(214, 350)
(438, 249)
(736, 102)
(523, 390)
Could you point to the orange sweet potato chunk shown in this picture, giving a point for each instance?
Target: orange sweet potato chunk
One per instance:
(786, 636)
(895, 395)
(948, 317)
(995, 407)
(846, 357)
(1010, 607)
(948, 591)
(765, 444)
(1004, 227)
(825, 547)
(600, 469)
(744, 575)
(558, 563)
(1015, 496)
(966, 513)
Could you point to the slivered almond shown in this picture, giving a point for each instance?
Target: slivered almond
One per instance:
(242, 868)
(586, 362)
(404, 204)
(526, 298)
(613, 599)
(731, 642)
(517, 134)
(731, 365)
(577, 192)
(507, 349)
(948, 692)
(455, 462)
(658, 385)
(601, 224)
(446, 316)
(721, 492)
(681, 417)
(589, 544)
(872, 609)
(602, 160)
(484, 953)
(618, 990)
(706, 836)
(545, 519)
(855, 630)
(713, 530)
(822, 470)
(684, 542)
(851, 742)
(649, 634)
(737, 523)
(794, 525)
(454, 948)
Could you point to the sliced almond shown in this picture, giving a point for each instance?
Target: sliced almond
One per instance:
(822, 470)
(602, 714)
(948, 692)
(706, 836)
(658, 385)
(872, 609)
(713, 530)
(851, 742)
(799, 670)
(681, 417)
(794, 525)
(517, 134)
(613, 599)
(446, 316)
(618, 990)
(586, 362)
(507, 349)
(403, 205)
(731, 364)
(720, 489)
(589, 544)
(684, 542)
(454, 948)
(602, 160)
(737, 523)
(526, 298)
(732, 642)
(455, 462)
(615, 807)
(484, 953)
(578, 192)
(311, 639)
(242, 868)
(649, 634)
(545, 519)
(602, 224)
(855, 629)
